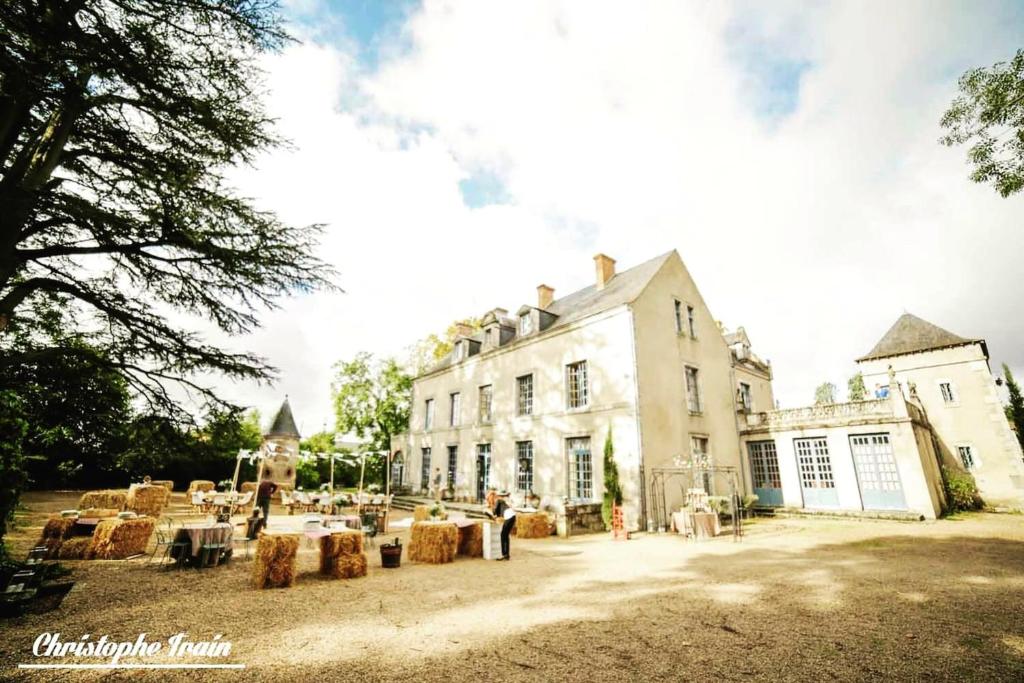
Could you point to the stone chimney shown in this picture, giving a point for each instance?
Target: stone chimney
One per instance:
(545, 295)
(463, 330)
(605, 269)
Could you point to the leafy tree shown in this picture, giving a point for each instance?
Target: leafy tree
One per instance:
(13, 429)
(118, 120)
(825, 393)
(1015, 410)
(855, 389)
(612, 487)
(989, 114)
(372, 399)
(428, 351)
(345, 474)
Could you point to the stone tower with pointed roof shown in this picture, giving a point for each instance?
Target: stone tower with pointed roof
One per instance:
(281, 448)
(950, 377)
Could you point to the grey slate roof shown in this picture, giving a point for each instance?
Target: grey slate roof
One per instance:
(623, 288)
(284, 423)
(910, 334)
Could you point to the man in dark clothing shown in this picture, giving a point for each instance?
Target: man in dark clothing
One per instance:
(505, 512)
(264, 493)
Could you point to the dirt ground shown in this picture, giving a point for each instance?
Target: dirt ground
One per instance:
(796, 600)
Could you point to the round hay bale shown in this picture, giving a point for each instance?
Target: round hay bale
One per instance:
(471, 539)
(107, 499)
(532, 525)
(75, 548)
(274, 564)
(116, 539)
(146, 499)
(166, 483)
(433, 542)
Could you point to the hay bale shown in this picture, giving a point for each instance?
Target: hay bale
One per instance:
(341, 555)
(108, 500)
(55, 531)
(203, 485)
(433, 542)
(98, 513)
(471, 539)
(58, 528)
(116, 539)
(146, 499)
(532, 525)
(166, 483)
(75, 548)
(274, 566)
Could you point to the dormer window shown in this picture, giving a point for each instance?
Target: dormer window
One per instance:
(525, 324)
(460, 351)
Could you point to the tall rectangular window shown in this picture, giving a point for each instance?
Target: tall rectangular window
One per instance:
(577, 391)
(699, 450)
(524, 395)
(967, 457)
(525, 324)
(764, 465)
(453, 465)
(454, 409)
(814, 463)
(691, 322)
(581, 468)
(428, 414)
(425, 467)
(948, 396)
(679, 315)
(693, 398)
(746, 400)
(524, 466)
(486, 401)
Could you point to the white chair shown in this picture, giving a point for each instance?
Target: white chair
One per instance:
(242, 501)
(220, 501)
(198, 501)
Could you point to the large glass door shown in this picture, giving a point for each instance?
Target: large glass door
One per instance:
(879, 480)
(815, 466)
(764, 473)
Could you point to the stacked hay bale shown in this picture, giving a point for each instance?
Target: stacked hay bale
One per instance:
(342, 556)
(471, 539)
(433, 542)
(103, 499)
(203, 485)
(76, 548)
(532, 525)
(274, 566)
(146, 499)
(166, 483)
(56, 531)
(116, 539)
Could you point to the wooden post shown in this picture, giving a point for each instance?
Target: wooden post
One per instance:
(259, 480)
(238, 465)
(359, 499)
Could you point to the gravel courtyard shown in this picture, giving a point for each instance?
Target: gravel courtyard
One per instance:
(797, 599)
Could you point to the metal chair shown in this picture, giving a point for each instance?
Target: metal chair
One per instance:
(209, 554)
(165, 539)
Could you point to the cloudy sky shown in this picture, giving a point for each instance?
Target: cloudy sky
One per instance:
(461, 153)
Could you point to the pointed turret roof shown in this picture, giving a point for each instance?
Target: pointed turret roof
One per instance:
(910, 334)
(284, 423)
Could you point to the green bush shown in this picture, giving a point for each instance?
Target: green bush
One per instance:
(961, 491)
(307, 475)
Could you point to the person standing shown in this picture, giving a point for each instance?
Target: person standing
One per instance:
(506, 513)
(264, 493)
(437, 484)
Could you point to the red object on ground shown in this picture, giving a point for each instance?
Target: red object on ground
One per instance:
(619, 532)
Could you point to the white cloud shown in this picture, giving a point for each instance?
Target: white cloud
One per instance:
(634, 132)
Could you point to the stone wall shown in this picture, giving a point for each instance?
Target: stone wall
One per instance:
(580, 519)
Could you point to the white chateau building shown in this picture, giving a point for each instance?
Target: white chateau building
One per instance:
(527, 402)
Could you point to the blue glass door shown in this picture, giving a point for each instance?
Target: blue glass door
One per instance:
(879, 480)
(764, 473)
(815, 466)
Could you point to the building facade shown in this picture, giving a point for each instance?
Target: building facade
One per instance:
(527, 402)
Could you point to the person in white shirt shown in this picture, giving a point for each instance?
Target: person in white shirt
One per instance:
(504, 511)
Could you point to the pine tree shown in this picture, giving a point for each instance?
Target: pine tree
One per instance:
(1014, 411)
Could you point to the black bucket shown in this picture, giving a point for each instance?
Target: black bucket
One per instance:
(391, 555)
